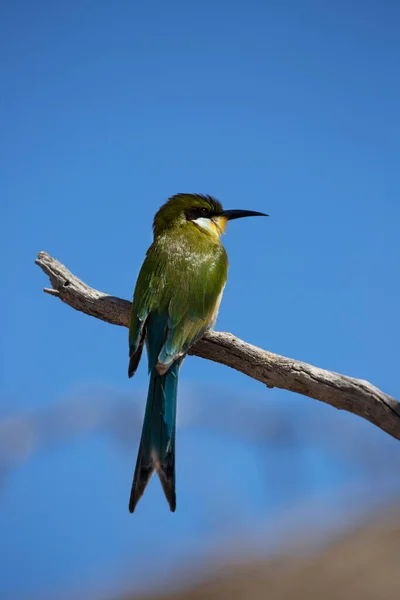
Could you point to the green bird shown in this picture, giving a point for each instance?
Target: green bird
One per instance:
(176, 299)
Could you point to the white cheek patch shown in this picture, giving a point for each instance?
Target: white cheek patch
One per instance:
(206, 224)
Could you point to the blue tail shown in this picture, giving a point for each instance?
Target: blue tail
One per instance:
(157, 444)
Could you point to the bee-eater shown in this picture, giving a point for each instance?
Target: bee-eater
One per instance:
(176, 299)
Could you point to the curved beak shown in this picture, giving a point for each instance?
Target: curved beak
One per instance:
(238, 214)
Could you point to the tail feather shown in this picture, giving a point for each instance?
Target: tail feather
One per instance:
(157, 444)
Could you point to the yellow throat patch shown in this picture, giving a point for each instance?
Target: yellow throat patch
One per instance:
(216, 225)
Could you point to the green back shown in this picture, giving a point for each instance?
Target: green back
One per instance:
(182, 277)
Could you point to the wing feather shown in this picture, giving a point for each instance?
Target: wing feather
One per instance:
(182, 283)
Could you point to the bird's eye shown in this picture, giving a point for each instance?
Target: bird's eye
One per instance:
(198, 212)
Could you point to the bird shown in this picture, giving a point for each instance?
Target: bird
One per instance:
(176, 299)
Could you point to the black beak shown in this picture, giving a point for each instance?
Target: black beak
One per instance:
(238, 214)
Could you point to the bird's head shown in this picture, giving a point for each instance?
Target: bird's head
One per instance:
(204, 212)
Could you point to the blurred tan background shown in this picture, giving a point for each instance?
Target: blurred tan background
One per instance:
(363, 564)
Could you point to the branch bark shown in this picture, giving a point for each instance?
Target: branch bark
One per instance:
(344, 393)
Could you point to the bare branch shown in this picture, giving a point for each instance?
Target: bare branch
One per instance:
(345, 393)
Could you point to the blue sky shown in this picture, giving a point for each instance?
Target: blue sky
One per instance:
(107, 109)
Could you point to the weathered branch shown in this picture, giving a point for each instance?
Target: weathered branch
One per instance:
(345, 393)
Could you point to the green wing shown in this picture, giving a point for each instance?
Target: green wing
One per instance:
(181, 281)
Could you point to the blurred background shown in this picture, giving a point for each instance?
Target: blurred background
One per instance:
(285, 107)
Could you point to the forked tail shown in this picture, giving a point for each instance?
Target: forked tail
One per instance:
(157, 444)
